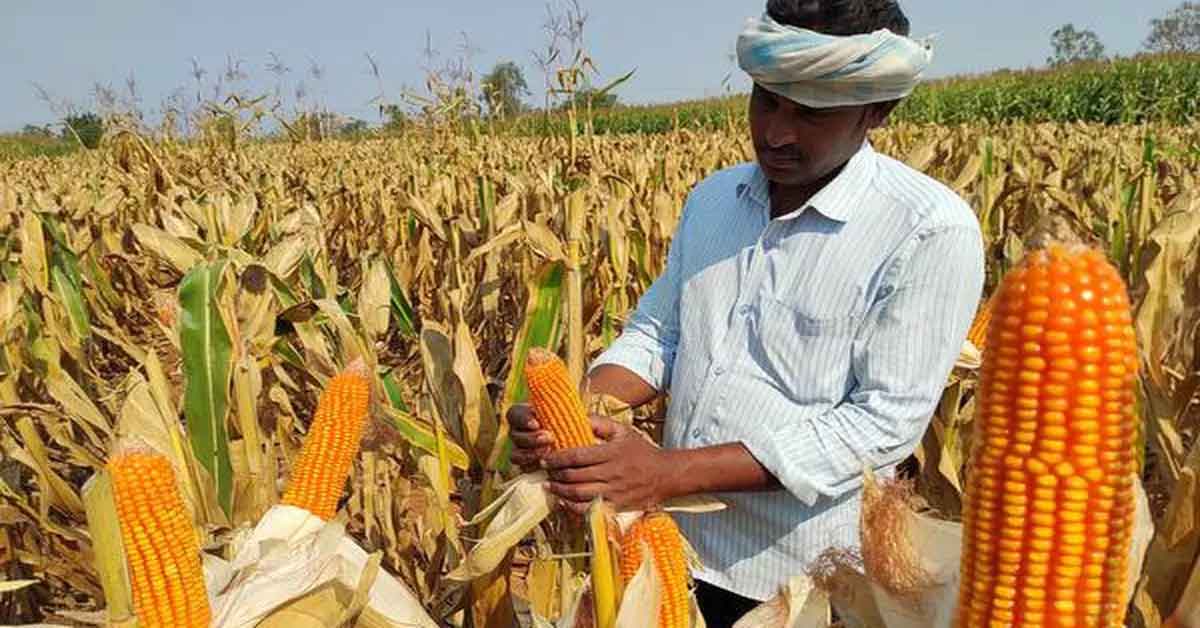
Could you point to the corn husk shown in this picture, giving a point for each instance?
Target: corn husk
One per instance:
(292, 554)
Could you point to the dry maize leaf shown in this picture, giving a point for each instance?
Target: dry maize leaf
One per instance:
(437, 470)
(74, 401)
(260, 467)
(513, 514)
(479, 420)
(56, 491)
(544, 242)
(510, 234)
(374, 300)
(541, 587)
(283, 258)
(640, 600)
(352, 344)
(437, 359)
(424, 212)
(36, 269)
(184, 230)
(107, 547)
(799, 605)
(1176, 543)
(168, 248)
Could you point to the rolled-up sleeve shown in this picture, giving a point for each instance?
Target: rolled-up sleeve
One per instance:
(902, 356)
(649, 338)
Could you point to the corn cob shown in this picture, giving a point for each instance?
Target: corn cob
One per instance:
(978, 333)
(556, 401)
(332, 444)
(1049, 501)
(161, 549)
(658, 532)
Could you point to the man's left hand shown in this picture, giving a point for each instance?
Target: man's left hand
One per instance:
(625, 468)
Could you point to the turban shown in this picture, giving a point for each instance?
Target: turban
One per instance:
(821, 70)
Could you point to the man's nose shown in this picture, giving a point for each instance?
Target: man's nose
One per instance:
(780, 131)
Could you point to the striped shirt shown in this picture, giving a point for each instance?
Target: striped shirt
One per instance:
(821, 340)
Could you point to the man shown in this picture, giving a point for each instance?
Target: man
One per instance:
(812, 305)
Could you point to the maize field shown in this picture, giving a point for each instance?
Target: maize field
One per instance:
(359, 316)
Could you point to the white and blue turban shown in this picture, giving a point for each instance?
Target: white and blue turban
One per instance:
(821, 70)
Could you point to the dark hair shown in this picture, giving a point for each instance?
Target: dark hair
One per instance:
(840, 17)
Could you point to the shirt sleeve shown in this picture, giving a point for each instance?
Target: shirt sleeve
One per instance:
(901, 359)
(648, 340)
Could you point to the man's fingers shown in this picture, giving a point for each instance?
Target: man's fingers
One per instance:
(521, 418)
(605, 428)
(578, 475)
(576, 492)
(531, 439)
(577, 457)
(577, 508)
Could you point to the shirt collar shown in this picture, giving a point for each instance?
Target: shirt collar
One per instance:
(836, 200)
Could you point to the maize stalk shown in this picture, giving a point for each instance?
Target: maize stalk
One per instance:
(161, 548)
(658, 532)
(1049, 501)
(332, 444)
(556, 402)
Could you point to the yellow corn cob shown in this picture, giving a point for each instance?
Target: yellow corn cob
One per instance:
(978, 333)
(1049, 501)
(333, 442)
(556, 402)
(161, 549)
(660, 534)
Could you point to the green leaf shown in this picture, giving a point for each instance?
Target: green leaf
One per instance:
(543, 315)
(417, 434)
(395, 396)
(72, 299)
(401, 309)
(207, 365)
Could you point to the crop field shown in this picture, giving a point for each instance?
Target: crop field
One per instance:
(196, 300)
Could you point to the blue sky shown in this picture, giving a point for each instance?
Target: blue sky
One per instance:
(679, 48)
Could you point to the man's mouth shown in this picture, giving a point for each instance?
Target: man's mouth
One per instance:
(776, 160)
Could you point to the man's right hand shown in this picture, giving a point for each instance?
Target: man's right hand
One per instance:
(530, 441)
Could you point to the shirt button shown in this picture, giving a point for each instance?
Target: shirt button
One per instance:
(719, 370)
(696, 433)
(743, 310)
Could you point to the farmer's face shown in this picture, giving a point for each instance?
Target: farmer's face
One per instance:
(798, 145)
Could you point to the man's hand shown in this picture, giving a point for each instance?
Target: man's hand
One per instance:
(625, 468)
(530, 441)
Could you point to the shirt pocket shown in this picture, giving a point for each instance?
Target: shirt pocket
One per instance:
(805, 356)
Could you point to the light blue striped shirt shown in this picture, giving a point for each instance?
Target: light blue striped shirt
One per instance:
(821, 340)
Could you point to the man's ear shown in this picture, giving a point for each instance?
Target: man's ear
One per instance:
(879, 112)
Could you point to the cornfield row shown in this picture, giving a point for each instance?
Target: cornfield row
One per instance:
(144, 287)
(1156, 89)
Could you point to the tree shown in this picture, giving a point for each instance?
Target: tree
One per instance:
(503, 88)
(1074, 45)
(1177, 31)
(31, 130)
(87, 127)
